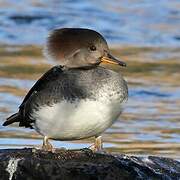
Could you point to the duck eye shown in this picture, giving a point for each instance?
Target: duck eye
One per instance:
(92, 48)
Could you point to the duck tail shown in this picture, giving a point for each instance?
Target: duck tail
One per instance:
(12, 119)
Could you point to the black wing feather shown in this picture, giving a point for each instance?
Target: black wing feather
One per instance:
(39, 85)
(50, 75)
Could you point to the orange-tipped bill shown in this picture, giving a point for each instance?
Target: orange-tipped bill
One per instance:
(112, 60)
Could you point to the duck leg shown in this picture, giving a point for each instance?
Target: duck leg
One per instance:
(47, 145)
(98, 145)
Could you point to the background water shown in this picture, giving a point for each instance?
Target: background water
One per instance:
(143, 33)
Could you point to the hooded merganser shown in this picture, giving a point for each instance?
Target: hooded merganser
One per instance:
(78, 98)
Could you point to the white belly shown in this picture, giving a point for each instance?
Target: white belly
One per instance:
(70, 121)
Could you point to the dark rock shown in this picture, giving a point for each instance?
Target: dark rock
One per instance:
(32, 164)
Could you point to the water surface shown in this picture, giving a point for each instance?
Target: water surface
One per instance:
(143, 33)
(129, 22)
(149, 124)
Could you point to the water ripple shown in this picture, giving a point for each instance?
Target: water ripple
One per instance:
(125, 22)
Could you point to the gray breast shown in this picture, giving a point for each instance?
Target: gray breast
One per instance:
(102, 84)
(75, 84)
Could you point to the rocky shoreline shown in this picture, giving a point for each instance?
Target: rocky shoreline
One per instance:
(32, 164)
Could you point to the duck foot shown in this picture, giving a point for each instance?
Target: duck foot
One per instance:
(47, 146)
(97, 146)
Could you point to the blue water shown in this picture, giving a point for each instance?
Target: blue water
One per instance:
(142, 23)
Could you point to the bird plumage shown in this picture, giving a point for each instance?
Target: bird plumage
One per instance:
(78, 98)
(58, 85)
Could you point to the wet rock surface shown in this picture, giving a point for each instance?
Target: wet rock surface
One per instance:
(32, 164)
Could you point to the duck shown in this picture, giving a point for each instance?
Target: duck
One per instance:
(78, 98)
